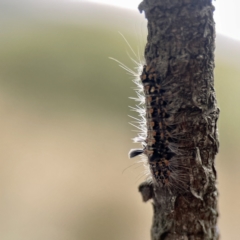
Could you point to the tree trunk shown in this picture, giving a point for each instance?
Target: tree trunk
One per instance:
(181, 113)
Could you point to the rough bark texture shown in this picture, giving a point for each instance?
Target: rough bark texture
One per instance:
(179, 68)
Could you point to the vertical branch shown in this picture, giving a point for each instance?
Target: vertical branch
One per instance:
(181, 140)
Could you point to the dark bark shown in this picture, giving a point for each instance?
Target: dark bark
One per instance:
(178, 80)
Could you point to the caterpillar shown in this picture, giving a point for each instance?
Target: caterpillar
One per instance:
(162, 130)
(160, 135)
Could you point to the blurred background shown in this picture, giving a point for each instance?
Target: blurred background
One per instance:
(64, 170)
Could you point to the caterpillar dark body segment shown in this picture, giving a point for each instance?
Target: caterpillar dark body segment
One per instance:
(156, 149)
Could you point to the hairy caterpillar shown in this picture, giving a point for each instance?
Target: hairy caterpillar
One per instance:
(159, 129)
(160, 135)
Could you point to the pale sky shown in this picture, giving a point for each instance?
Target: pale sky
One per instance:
(227, 16)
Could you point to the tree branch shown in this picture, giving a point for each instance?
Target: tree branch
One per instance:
(181, 114)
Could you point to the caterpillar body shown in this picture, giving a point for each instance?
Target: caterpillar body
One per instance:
(162, 135)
